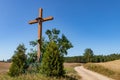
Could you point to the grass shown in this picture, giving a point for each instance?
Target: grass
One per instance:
(34, 77)
(30, 77)
(69, 67)
(103, 70)
(112, 65)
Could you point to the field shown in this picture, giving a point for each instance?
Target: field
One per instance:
(110, 69)
(4, 67)
(69, 67)
(112, 65)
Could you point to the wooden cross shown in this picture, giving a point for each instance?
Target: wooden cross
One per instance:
(39, 20)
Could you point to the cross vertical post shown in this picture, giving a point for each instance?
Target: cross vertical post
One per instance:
(39, 34)
(39, 20)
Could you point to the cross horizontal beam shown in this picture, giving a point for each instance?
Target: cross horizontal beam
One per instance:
(47, 19)
(41, 19)
(33, 21)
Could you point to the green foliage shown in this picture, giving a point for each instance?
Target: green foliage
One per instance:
(63, 43)
(32, 56)
(88, 55)
(43, 47)
(53, 57)
(53, 50)
(94, 58)
(19, 65)
(75, 59)
(52, 62)
(32, 61)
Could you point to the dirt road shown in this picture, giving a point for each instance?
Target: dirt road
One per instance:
(90, 75)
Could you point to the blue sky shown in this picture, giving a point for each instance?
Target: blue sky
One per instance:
(91, 24)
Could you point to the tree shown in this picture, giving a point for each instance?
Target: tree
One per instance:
(63, 43)
(19, 65)
(52, 62)
(88, 55)
(53, 57)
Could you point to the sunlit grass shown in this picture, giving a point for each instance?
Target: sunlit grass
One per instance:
(69, 68)
(112, 65)
(102, 70)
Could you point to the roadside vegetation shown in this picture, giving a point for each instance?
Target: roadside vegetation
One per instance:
(35, 77)
(103, 70)
(51, 64)
(69, 68)
(71, 74)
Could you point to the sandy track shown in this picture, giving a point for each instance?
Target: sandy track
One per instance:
(90, 75)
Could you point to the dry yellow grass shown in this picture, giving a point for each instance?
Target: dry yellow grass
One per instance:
(103, 70)
(110, 69)
(112, 65)
(69, 68)
(71, 64)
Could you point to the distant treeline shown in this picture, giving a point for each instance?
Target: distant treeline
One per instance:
(95, 58)
(9, 60)
(88, 56)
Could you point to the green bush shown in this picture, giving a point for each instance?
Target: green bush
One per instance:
(52, 62)
(53, 57)
(18, 61)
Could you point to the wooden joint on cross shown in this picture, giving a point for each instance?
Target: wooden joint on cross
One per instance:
(39, 41)
(39, 19)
